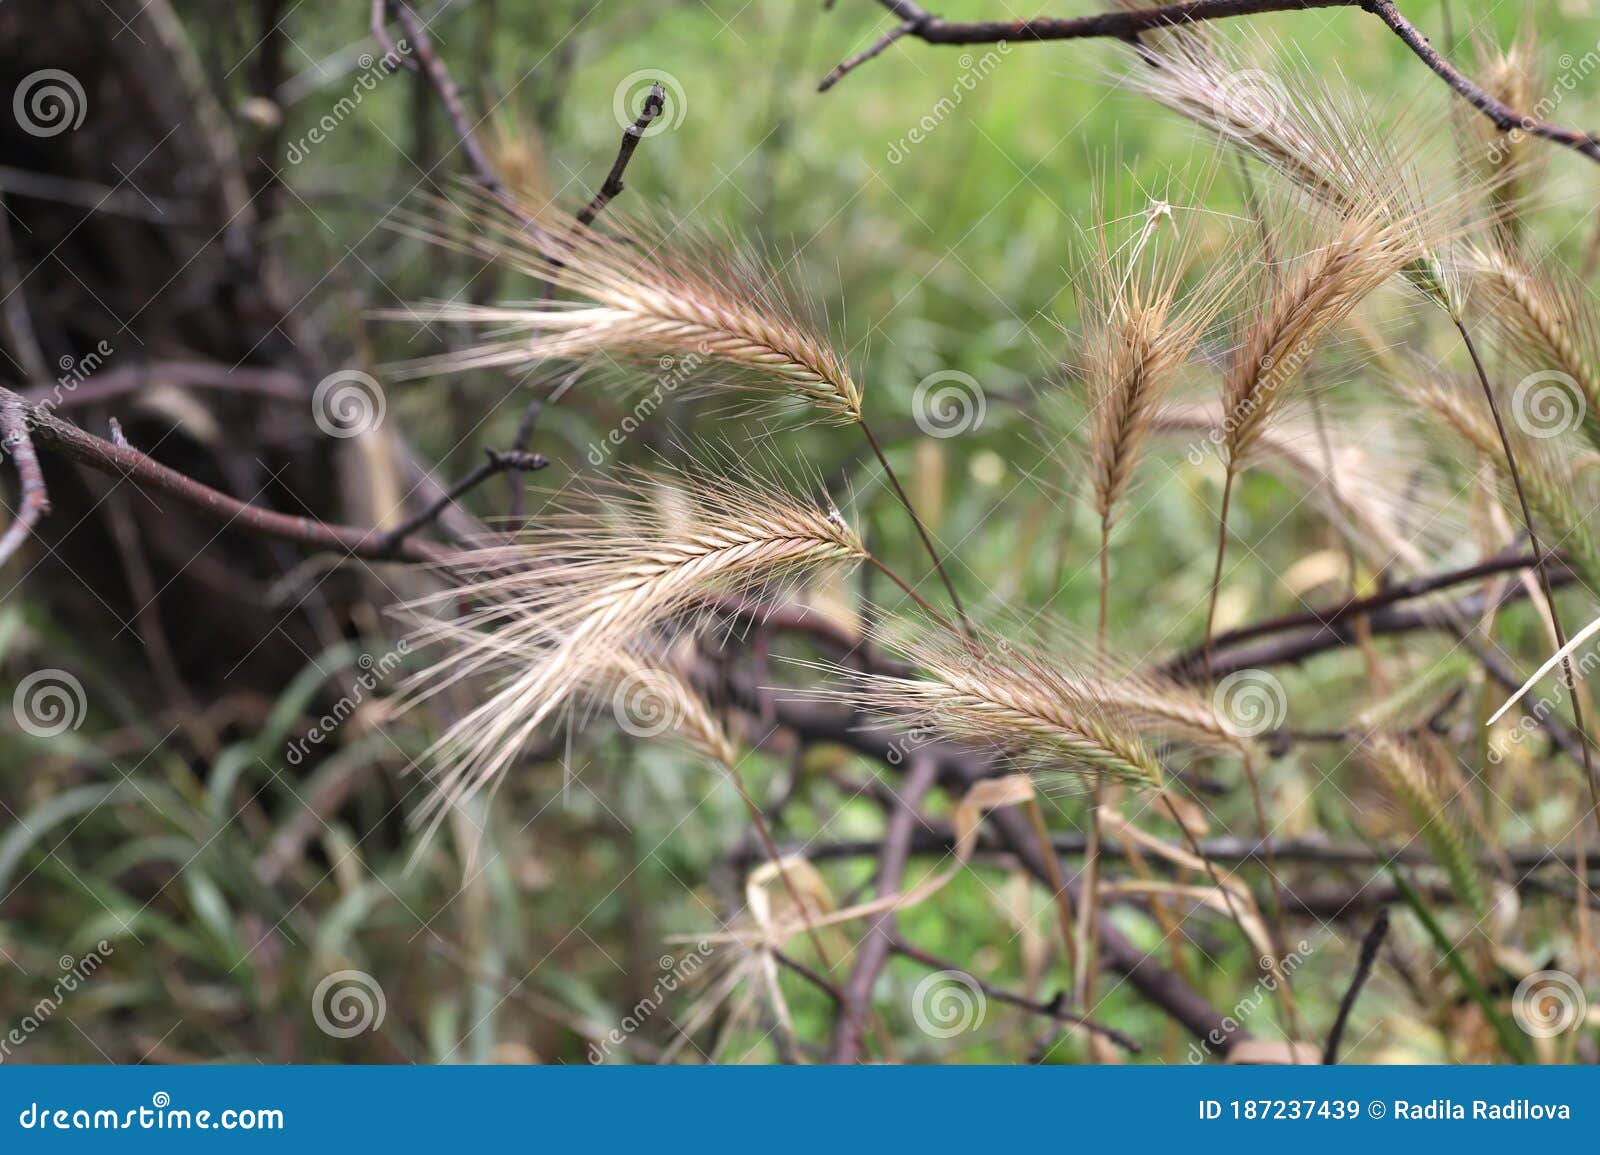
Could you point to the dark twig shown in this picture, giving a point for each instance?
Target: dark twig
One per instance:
(449, 96)
(275, 384)
(519, 444)
(878, 48)
(1128, 25)
(810, 975)
(1505, 118)
(1301, 640)
(631, 136)
(497, 462)
(160, 481)
(939, 838)
(1113, 25)
(873, 950)
(1364, 963)
(1408, 590)
(380, 33)
(1055, 1008)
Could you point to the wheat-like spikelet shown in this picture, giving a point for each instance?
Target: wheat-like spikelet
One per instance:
(1158, 705)
(1505, 164)
(1139, 330)
(1407, 779)
(646, 293)
(518, 156)
(1297, 308)
(561, 606)
(1155, 704)
(1543, 312)
(1003, 694)
(1549, 482)
(646, 690)
(1322, 141)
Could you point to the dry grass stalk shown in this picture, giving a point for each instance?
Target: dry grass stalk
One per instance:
(1140, 328)
(651, 292)
(1294, 311)
(559, 609)
(1322, 141)
(1543, 313)
(1549, 481)
(1506, 164)
(1025, 702)
(647, 689)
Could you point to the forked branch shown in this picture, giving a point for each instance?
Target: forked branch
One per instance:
(1128, 25)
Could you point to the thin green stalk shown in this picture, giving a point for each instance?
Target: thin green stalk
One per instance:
(1216, 573)
(922, 532)
(1541, 567)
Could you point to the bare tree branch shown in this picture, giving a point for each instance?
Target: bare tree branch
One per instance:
(1128, 25)
(160, 481)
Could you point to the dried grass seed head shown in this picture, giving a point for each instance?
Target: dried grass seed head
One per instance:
(562, 606)
(644, 292)
(1140, 326)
